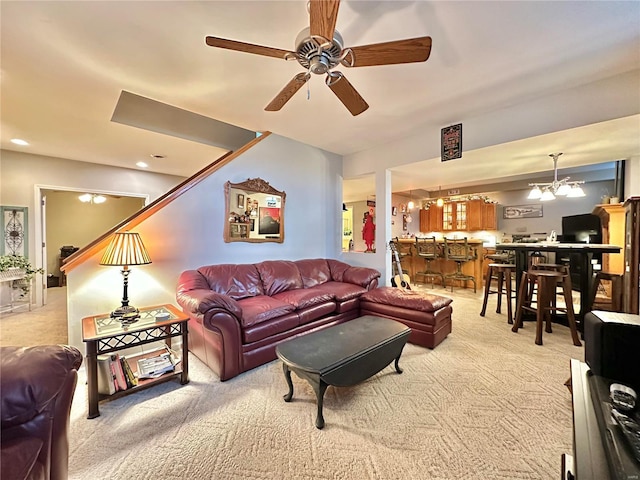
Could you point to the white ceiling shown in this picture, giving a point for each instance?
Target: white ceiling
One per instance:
(65, 64)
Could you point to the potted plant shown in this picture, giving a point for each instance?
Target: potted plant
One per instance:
(19, 269)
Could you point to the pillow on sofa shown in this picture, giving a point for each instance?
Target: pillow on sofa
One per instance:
(313, 271)
(279, 276)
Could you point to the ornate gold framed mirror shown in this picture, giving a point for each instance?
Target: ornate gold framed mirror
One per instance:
(254, 212)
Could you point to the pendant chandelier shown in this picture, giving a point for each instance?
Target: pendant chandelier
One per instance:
(411, 205)
(548, 191)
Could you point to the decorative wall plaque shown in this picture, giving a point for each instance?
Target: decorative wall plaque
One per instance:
(451, 142)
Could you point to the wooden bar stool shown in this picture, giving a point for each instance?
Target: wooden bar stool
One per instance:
(547, 282)
(552, 267)
(501, 273)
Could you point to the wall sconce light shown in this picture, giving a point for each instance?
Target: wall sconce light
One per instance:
(125, 249)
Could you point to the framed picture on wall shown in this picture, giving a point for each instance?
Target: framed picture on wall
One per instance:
(240, 200)
(394, 211)
(533, 210)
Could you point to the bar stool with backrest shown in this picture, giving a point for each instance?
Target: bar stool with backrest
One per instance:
(459, 251)
(501, 273)
(547, 282)
(429, 249)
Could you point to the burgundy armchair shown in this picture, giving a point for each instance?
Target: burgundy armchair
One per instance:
(36, 389)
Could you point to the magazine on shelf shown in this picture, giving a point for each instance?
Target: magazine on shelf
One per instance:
(158, 365)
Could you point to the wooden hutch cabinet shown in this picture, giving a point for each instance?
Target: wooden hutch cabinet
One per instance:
(631, 292)
(612, 219)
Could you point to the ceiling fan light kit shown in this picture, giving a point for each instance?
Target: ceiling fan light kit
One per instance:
(320, 49)
(563, 187)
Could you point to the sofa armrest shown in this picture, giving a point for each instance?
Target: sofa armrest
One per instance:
(363, 276)
(199, 302)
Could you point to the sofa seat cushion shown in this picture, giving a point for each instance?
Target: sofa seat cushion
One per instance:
(262, 308)
(409, 299)
(304, 297)
(282, 324)
(340, 291)
(317, 311)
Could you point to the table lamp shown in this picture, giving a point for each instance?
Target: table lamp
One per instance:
(125, 249)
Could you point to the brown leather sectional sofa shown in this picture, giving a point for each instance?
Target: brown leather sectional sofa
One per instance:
(238, 313)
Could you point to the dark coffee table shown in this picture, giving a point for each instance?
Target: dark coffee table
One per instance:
(342, 355)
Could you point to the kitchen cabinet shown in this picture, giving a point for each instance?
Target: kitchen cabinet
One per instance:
(431, 219)
(489, 217)
(454, 216)
(474, 215)
(470, 215)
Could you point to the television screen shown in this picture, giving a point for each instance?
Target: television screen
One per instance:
(583, 228)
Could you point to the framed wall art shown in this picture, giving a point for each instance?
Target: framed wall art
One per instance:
(241, 201)
(14, 231)
(522, 211)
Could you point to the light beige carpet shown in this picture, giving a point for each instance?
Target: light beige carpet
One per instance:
(40, 326)
(485, 404)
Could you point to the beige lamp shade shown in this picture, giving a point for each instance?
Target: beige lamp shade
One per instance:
(126, 248)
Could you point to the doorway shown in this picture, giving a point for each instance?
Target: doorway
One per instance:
(65, 222)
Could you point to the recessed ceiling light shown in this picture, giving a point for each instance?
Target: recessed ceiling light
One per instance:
(142, 165)
(19, 141)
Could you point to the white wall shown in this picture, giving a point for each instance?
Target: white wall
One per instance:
(21, 175)
(187, 233)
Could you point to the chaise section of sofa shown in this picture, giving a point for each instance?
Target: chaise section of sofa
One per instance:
(238, 313)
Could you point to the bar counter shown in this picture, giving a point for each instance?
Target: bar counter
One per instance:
(413, 263)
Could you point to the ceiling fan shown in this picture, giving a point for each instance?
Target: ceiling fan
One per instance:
(320, 48)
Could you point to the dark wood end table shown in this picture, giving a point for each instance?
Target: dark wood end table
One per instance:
(103, 334)
(342, 355)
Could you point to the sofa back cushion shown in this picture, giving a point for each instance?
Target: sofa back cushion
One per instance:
(313, 271)
(235, 280)
(279, 276)
(337, 269)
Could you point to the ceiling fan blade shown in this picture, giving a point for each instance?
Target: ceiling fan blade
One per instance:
(347, 94)
(287, 92)
(247, 47)
(400, 51)
(322, 17)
